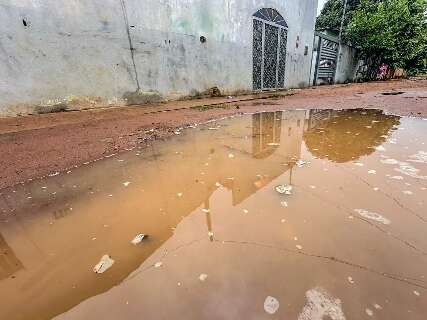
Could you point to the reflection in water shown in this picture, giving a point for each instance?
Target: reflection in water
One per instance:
(60, 227)
(343, 136)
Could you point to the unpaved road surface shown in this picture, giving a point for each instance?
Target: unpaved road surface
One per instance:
(35, 146)
(347, 241)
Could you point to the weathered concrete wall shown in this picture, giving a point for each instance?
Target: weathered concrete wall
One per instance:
(62, 49)
(347, 65)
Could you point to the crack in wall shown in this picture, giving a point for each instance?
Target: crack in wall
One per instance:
(131, 47)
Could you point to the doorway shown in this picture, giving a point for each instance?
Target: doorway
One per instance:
(270, 35)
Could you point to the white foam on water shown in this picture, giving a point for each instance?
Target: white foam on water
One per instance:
(373, 216)
(271, 305)
(320, 304)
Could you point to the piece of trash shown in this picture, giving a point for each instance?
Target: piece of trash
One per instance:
(372, 172)
(214, 128)
(408, 193)
(126, 184)
(350, 279)
(376, 189)
(230, 97)
(245, 211)
(104, 264)
(283, 220)
(284, 204)
(271, 305)
(210, 234)
(217, 184)
(295, 238)
(298, 247)
(373, 216)
(312, 187)
(378, 307)
(206, 210)
(397, 178)
(231, 156)
(359, 164)
(284, 189)
(273, 144)
(203, 277)
(380, 148)
(138, 239)
(158, 264)
(179, 195)
(177, 133)
(300, 163)
(369, 312)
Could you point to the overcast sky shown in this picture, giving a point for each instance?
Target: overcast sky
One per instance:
(321, 4)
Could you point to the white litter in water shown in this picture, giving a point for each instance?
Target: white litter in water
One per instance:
(378, 307)
(126, 184)
(218, 184)
(380, 148)
(298, 247)
(271, 305)
(376, 189)
(390, 161)
(231, 156)
(283, 220)
(373, 216)
(369, 312)
(420, 157)
(138, 239)
(206, 210)
(273, 144)
(158, 264)
(408, 193)
(245, 211)
(284, 189)
(372, 172)
(301, 163)
(359, 164)
(104, 264)
(179, 194)
(203, 277)
(284, 204)
(321, 305)
(313, 187)
(350, 279)
(397, 178)
(417, 293)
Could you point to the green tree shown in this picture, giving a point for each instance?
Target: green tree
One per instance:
(331, 15)
(390, 31)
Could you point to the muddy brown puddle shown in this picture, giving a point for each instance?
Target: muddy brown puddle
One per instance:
(349, 242)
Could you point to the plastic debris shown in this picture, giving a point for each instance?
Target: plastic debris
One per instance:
(104, 264)
(217, 184)
(206, 210)
(350, 279)
(284, 204)
(299, 247)
(372, 172)
(377, 306)
(138, 239)
(180, 194)
(417, 293)
(359, 164)
(300, 163)
(203, 277)
(231, 156)
(373, 216)
(158, 264)
(369, 312)
(397, 178)
(380, 148)
(273, 144)
(271, 305)
(408, 193)
(245, 211)
(321, 305)
(126, 184)
(284, 189)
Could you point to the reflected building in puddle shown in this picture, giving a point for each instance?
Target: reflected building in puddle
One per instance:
(61, 226)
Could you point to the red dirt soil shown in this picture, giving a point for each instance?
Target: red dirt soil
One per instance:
(34, 146)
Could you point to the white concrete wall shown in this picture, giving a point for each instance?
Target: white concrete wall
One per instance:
(81, 48)
(347, 65)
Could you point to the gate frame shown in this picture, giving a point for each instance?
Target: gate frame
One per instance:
(319, 51)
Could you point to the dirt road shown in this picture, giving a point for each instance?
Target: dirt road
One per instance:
(35, 146)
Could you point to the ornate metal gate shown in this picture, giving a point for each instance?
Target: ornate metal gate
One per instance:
(269, 49)
(327, 57)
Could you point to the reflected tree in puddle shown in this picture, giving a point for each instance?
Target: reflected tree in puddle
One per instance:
(346, 135)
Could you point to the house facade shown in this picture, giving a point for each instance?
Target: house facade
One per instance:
(60, 50)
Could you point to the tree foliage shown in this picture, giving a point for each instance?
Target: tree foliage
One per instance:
(390, 31)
